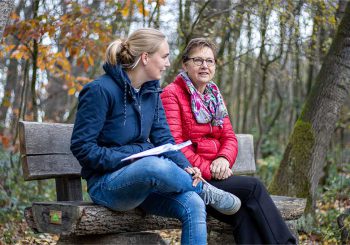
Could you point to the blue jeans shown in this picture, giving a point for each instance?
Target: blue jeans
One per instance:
(159, 187)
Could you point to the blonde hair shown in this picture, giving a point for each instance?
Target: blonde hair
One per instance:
(127, 53)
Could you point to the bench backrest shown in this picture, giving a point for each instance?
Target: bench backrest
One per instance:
(45, 151)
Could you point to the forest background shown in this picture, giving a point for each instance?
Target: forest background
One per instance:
(269, 55)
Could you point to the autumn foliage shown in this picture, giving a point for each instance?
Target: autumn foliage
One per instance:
(57, 50)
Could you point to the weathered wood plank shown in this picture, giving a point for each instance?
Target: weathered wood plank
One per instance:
(69, 189)
(44, 138)
(45, 151)
(49, 166)
(78, 218)
(245, 162)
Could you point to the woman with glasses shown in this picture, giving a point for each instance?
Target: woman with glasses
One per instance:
(196, 111)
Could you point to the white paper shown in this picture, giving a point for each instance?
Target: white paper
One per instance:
(159, 150)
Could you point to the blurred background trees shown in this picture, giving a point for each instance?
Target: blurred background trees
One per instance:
(269, 55)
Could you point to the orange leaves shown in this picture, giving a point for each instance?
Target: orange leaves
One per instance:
(91, 60)
(83, 80)
(85, 11)
(83, 36)
(20, 52)
(126, 8)
(141, 5)
(85, 61)
(71, 91)
(5, 141)
(14, 16)
(62, 62)
(27, 30)
(69, 45)
(77, 85)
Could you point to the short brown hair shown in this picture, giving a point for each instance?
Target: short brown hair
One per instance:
(198, 43)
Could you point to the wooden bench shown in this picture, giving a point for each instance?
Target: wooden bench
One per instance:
(45, 153)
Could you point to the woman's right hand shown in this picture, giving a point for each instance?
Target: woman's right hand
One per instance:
(196, 175)
(220, 168)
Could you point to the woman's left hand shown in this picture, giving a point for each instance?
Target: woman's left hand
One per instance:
(220, 168)
(196, 175)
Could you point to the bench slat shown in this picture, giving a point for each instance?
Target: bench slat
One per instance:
(86, 218)
(245, 162)
(44, 138)
(45, 151)
(49, 166)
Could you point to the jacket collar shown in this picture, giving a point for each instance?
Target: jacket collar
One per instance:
(120, 76)
(182, 83)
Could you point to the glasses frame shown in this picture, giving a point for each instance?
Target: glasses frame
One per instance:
(202, 61)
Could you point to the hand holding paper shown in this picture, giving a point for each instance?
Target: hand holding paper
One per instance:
(158, 150)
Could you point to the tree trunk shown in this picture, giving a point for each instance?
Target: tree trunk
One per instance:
(35, 67)
(11, 80)
(5, 10)
(248, 96)
(304, 158)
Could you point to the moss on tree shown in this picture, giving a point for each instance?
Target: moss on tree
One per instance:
(295, 163)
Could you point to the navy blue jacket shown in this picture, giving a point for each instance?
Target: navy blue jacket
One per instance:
(113, 121)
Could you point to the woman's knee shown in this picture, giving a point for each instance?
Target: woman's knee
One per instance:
(154, 166)
(251, 183)
(257, 187)
(193, 208)
(258, 184)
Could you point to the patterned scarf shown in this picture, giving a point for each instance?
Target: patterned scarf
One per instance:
(206, 107)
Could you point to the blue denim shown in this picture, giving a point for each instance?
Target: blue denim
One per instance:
(158, 186)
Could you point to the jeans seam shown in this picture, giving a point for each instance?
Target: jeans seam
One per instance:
(187, 212)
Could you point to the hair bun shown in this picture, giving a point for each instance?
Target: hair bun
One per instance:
(125, 45)
(125, 56)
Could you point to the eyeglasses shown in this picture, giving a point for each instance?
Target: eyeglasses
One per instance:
(198, 61)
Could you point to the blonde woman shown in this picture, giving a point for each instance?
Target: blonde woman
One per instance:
(119, 114)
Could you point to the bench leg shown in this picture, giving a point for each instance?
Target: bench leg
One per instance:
(121, 238)
(69, 189)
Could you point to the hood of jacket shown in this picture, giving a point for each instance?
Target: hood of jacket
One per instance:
(120, 76)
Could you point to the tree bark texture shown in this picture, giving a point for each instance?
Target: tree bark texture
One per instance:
(79, 218)
(11, 80)
(5, 10)
(134, 238)
(301, 167)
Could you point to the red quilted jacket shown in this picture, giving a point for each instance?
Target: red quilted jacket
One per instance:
(208, 142)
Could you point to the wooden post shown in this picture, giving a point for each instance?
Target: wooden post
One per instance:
(69, 189)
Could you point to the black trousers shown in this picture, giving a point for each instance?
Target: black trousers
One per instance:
(258, 221)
